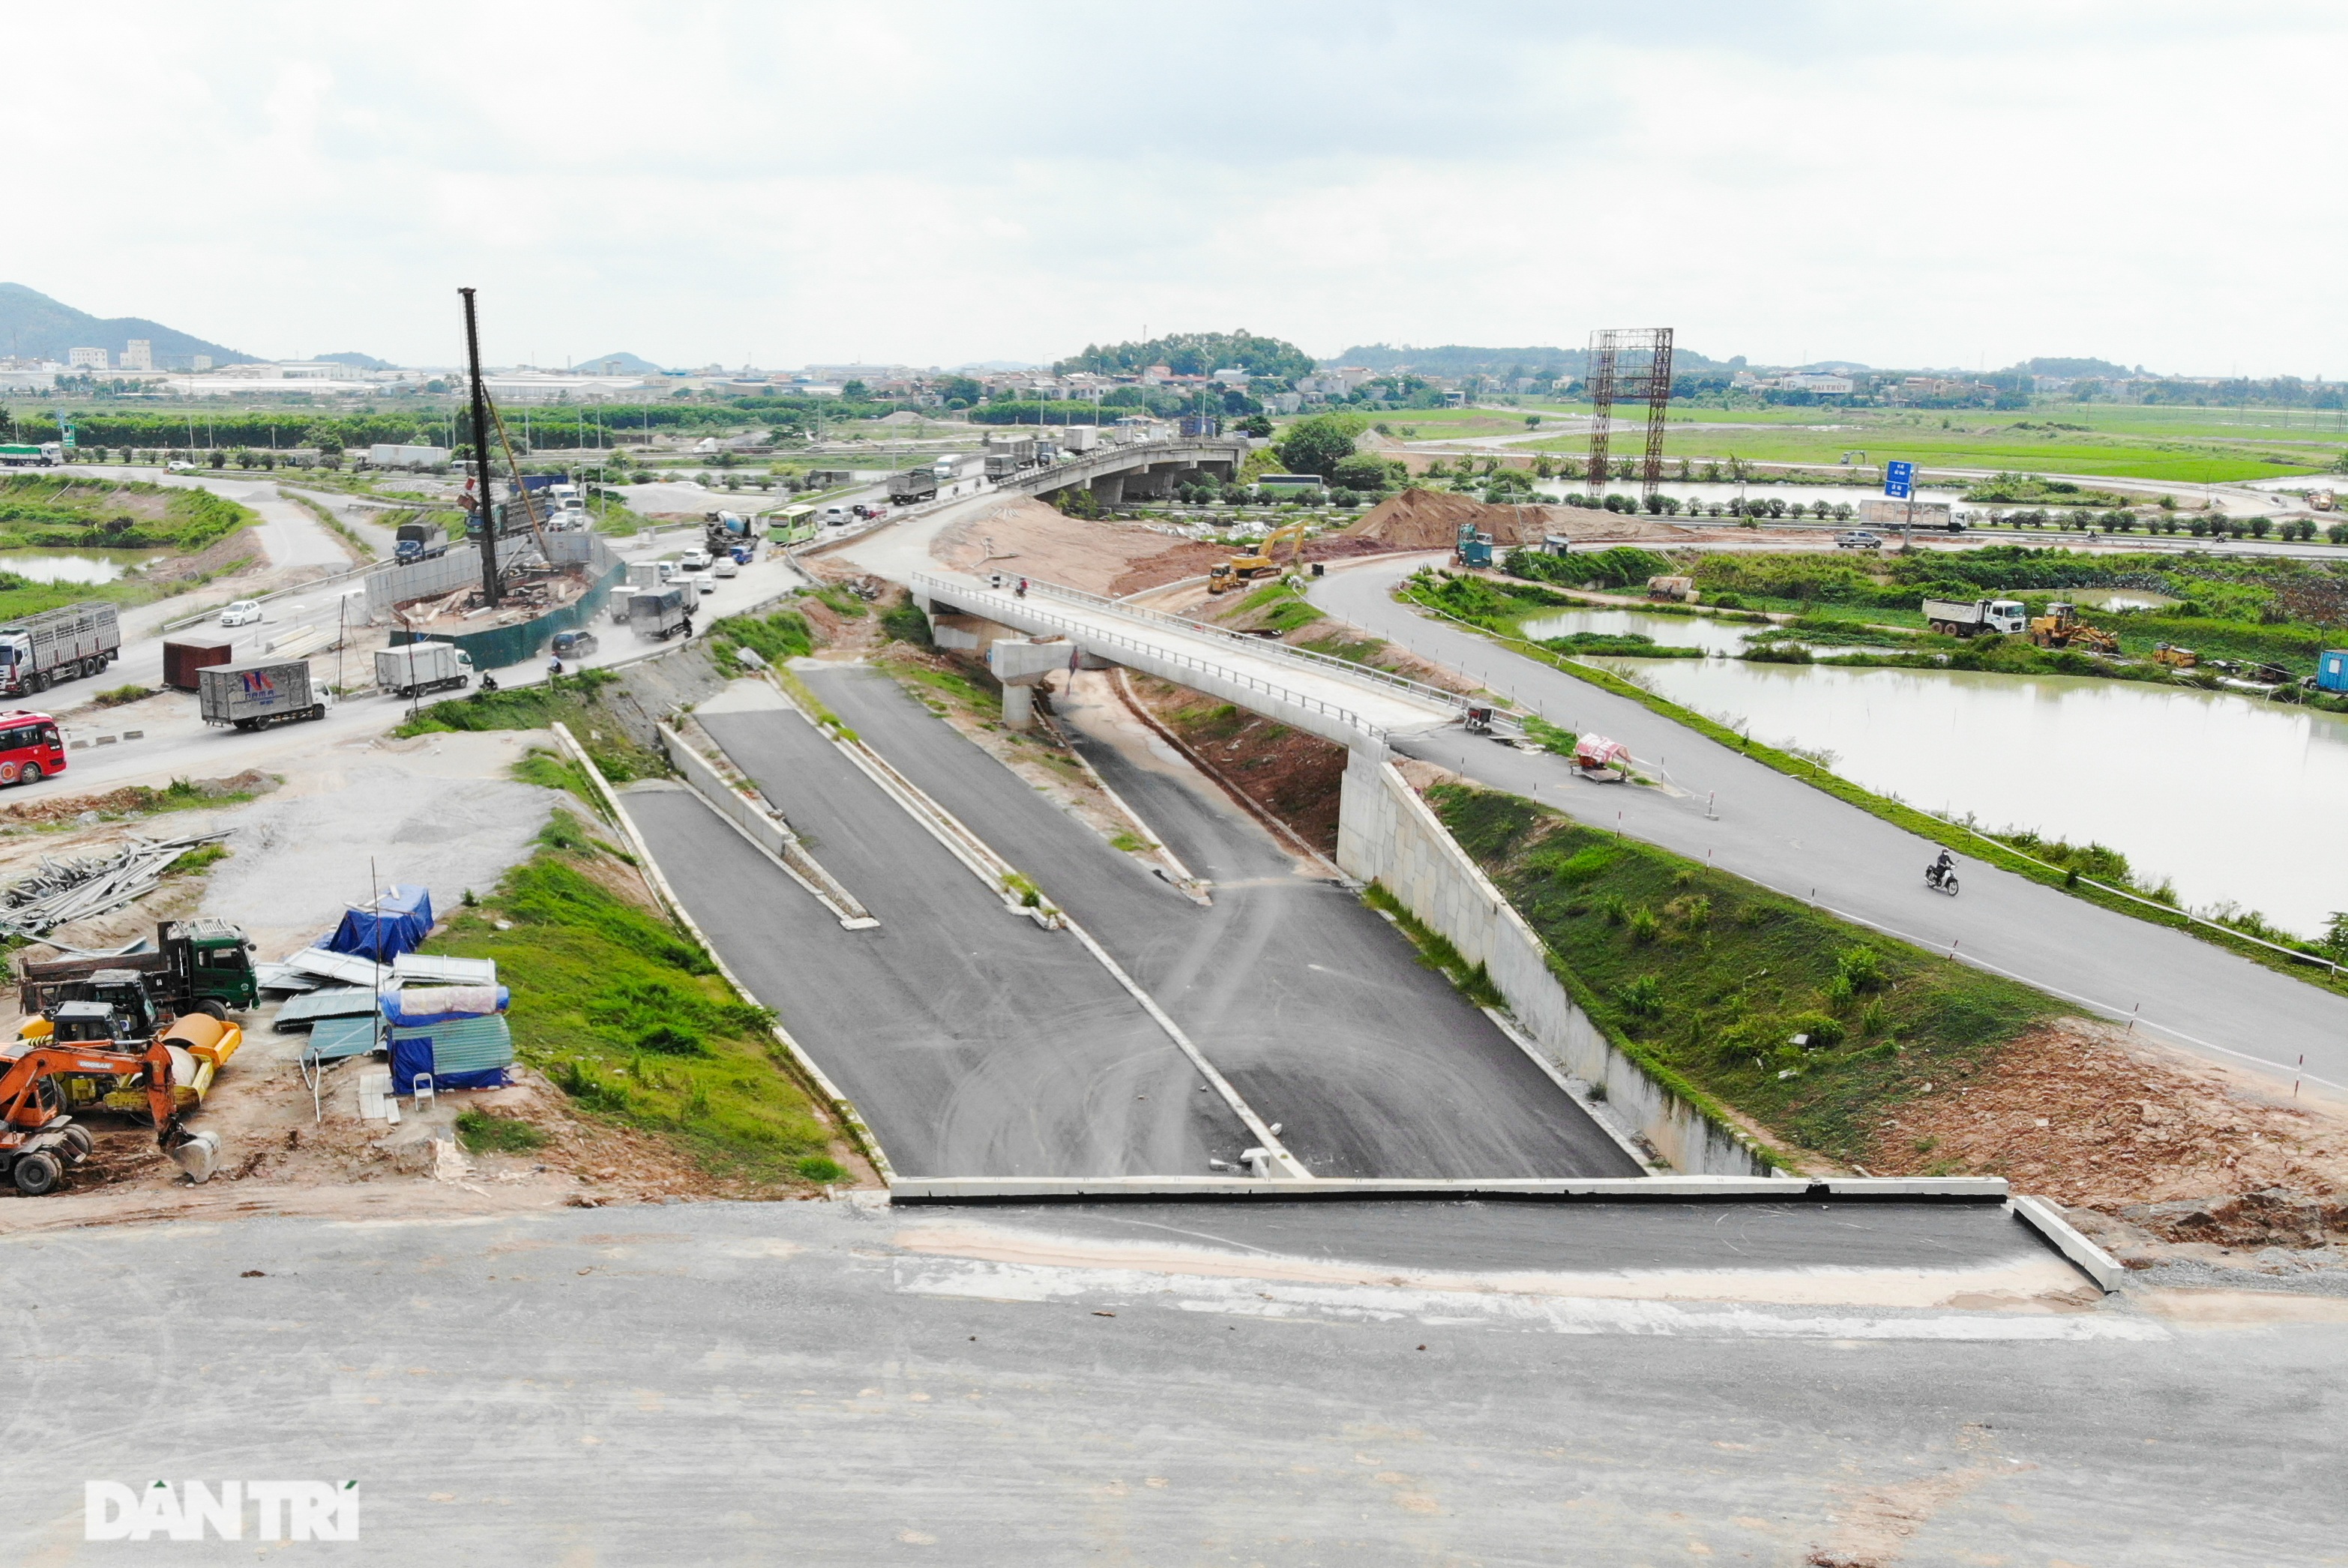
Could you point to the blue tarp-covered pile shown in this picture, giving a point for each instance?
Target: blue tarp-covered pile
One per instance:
(396, 922)
(453, 1035)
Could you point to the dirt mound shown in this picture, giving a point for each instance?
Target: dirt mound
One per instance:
(1196, 559)
(1431, 520)
(1036, 540)
(135, 798)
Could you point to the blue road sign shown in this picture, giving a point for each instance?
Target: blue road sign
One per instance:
(1899, 480)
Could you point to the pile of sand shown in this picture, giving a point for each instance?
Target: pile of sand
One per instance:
(1031, 540)
(1431, 519)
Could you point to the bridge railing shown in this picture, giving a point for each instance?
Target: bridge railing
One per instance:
(1263, 647)
(1092, 635)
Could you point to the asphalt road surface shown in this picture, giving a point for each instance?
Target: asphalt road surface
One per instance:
(1800, 841)
(1310, 1004)
(822, 1383)
(973, 1042)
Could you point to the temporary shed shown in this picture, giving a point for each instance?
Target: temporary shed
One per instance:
(460, 1054)
(394, 922)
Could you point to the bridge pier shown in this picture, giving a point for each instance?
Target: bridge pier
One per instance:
(1109, 489)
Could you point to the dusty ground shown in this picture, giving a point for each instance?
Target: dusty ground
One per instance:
(1431, 519)
(1028, 537)
(1281, 771)
(1197, 558)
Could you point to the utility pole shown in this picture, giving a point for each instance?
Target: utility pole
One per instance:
(490, 595)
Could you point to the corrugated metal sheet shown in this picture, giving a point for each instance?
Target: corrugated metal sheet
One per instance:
(335, 1037)
(425, 969)
(341, 1001)
(465, 1044)
(283, 978)
(348, 967)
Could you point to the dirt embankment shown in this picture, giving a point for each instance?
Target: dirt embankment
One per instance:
(1028, 537)
(1198, 558)
(1292, 776)
(1431, 519)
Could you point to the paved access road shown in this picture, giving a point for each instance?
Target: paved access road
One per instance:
(825, 1383)
(1789, 837)
(1310, 1004)
(971, 1040)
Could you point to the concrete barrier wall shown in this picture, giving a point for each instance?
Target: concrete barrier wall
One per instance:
(765, 829)
(1386, 834)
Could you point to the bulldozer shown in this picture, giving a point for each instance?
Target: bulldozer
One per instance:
(40, 1140)
(2175, 658)
(1225, 576)
(2061, 627)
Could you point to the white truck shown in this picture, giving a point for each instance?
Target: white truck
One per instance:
(258, 693)
(62, 644)
(419, 667)
(384, 454)
(1970, 618)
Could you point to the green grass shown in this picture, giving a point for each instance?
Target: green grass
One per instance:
(781, 635)
(629, 1016)
(1708, 976)
(481, 1132)
(1435, 951)
(201, 859)
(572, 700)
(115, 696)
(1895, 812)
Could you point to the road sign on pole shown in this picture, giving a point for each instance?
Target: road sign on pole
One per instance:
(1900, 481)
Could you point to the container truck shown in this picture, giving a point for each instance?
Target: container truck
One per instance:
(419, 541)
(1001, 465)
(383, 455)
(913, 484)
(48, 455)
(259, 693)
(61, 644)
(1080, 438)
(182, 660)
(1970, 618)
(658, 613)
(416, 667)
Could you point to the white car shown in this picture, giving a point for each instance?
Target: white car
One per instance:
(725, 566)
(244, 612)
(694, 560)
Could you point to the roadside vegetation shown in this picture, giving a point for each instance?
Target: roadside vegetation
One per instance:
(45, 511)
(574, 700)
(629, 1016)
(1815, 1028)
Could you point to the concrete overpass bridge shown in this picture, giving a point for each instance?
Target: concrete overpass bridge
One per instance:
(1143, 471)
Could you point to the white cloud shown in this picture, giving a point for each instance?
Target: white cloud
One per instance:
(1919, 184)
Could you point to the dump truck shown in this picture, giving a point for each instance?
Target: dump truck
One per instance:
(416, 667)
(2061, 627)
(202, 965)
(259, 693)
(913, 484)
(658, 613)
(62, 644)
(1970, 618)
(419, 541)
(181, 661)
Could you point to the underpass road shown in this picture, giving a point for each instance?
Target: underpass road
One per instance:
(1314, 1007)
(1789, 837)
(973, 1042)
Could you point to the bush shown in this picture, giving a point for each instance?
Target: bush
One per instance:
(1643, 925)
(906, 624)
(823, 1169)
(1642, 997)
(482, 1132)
(671, 1040)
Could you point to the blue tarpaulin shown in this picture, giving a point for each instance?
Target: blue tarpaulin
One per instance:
(395, 923)
(466, 1054)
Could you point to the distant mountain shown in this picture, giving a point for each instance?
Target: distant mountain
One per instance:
(1453, 359)
(2075, 369)
(35, 326)
(617, 365)
(356, 361)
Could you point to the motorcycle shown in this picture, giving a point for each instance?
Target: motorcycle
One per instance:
(1941, 877)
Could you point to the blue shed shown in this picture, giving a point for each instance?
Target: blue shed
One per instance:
(2331, 670)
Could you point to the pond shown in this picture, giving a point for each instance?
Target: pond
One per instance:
(75, 565)
(1672, 631)
(2115, 598)
(2231, 799)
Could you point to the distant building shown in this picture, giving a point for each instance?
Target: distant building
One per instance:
(1231, 377)
(85, 358)
(1803, 381)
(138, 354)
(2050, 382)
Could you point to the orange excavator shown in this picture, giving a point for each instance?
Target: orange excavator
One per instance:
(40, 1141)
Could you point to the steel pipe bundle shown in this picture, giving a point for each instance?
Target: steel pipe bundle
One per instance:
(64, 891)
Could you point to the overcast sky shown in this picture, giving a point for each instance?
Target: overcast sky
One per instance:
(1918, 184)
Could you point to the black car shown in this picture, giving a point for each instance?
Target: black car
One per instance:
(572, 644)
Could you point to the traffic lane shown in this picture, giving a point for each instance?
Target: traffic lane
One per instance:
(1311, 1003)
(1526, 1236)
(973, 1040)
(1784, 833)
(696, 1347)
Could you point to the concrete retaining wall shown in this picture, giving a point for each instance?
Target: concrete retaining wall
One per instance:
(1386, 834)
(765, 828)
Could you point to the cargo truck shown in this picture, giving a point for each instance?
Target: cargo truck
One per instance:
(61, 644)
(203, 965)
(417, 668)
(386, 456)
(48, 455)
(1970, 618)
(1001, 465)
(913, 484)
(419, 541)
(259, 693)
(658, 613)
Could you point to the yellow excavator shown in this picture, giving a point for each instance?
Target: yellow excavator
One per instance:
(1227, 575)
(2061, 627)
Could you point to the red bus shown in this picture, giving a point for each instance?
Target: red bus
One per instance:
(30, 749)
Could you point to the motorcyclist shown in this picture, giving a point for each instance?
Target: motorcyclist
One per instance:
(1938, 872)
(554, 669)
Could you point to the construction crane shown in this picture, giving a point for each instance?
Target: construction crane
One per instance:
(1224, 576)
(1629, 364)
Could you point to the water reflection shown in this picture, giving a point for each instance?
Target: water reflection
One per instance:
(75, 566)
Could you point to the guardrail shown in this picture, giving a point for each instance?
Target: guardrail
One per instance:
(1343, 669)
(1091, 634)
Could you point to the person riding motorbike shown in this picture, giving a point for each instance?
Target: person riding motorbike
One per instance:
(1939, 872)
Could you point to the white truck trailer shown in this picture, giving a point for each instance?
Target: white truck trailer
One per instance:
(419, 667)
(62, 644)
(259, 693)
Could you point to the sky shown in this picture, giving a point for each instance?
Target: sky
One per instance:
(778, 184)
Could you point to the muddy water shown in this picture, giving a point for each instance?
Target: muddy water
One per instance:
(2231, 799)
(75, 566)
(1672, 631)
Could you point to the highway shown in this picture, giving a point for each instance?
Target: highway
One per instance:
(1800, 841)
(970, 1039)
(835, 1382)
(1310, 1004)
